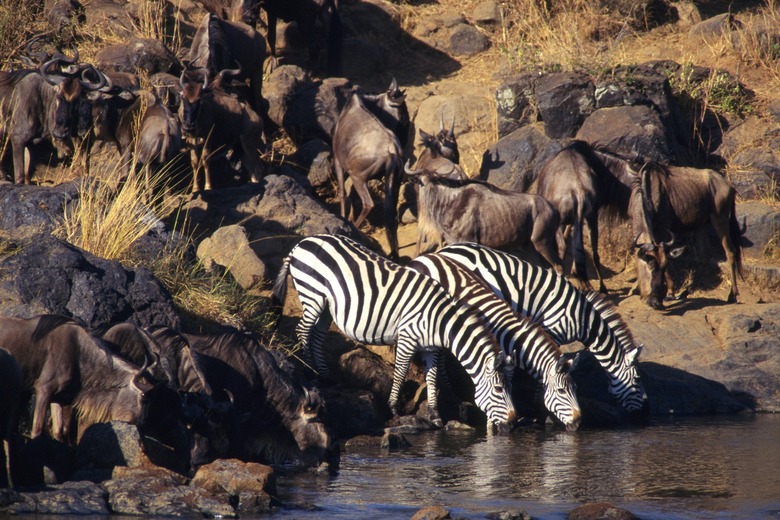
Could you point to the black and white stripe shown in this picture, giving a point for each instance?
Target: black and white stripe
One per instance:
(531, 347)
(566, 313)
(375, 301)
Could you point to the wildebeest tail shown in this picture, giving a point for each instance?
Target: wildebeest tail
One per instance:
(577, 246)
(335, 37)
(392, 189)
(735, 234)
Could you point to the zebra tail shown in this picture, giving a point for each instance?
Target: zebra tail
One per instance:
(735, 233)
(279, 294)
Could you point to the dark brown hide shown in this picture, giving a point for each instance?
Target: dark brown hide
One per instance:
(213, 122)
(364, 148)
(390, 108)
(10, 405)
(671, 200)
(475, 211)
(64, 365)
(269, 398)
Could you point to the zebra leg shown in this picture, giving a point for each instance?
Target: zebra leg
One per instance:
(403, 357)
(311, 331)
(432, 361)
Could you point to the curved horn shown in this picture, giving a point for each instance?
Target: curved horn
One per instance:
(408, 169)
(441, 122)
(452, 127)
(393, 87)
(103, 83)
(227, 72)
(181, 80)
(671, 240)
(50, 79)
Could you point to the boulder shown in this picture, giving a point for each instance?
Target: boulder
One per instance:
(432, 513)
(280, 89)
(105, 445)
(713, 28)
(355, 412)
(762, 228)
(515, 103)
(514, 161)
(252, 486)
(564, 100)
(315, 158)
(487, 13)
(47, 275)
(139, 55)
(315, 108)
(229, 247)
(28, 210)
(392, 441)
(70, 498)
(466, 40)
(600, 511)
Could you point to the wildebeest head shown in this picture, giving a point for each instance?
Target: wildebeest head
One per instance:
(72, 82)
(311, 435)
(652, 261)
(191, 98)
(447, 145)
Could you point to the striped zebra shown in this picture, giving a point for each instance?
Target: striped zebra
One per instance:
(563, 311)
(373, 300)
(531, 347)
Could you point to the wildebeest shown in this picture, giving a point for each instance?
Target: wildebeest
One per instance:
(364, 148)
(281, 418)
(64, 365)
(182, 412)
(220, 45)
(475, 211)
(42, 104)
(580, 181)
(10, 405)
(678, 200)
(434, 158)
(390, 108)
(307, 13)
(213, 121)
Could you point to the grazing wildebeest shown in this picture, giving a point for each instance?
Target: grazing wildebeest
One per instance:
(282, 420)
(182, 411)
(219, 45)
(306, 13)
(364, 148)
(213, 121)
(10, 405)
(475, 211)
(64, 365)
(43, 104)
(675, 199)
(579, 181)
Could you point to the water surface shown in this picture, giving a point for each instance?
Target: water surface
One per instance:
(688, 468)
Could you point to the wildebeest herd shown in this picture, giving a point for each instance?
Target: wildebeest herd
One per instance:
(226, 395)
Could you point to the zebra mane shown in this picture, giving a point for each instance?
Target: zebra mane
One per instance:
(613, 319)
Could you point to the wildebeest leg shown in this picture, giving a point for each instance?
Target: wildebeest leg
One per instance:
(57, 422)
(340, 178)
(19, 151)
(431, 363)
(361, 187)
(195, 167)
(42, 400)
(545, 243)
(249, 157)
(721, 226)
(593, 227)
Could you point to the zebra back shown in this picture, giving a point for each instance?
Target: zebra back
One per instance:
(373, 300)
(531, 348)
(567, 314)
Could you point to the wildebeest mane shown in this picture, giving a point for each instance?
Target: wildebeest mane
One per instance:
(449, 182)
(49, 322)
(12, 77)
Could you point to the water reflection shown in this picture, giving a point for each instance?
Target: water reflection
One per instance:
(675, 469)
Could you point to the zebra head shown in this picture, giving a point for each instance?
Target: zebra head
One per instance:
(492, 393)
(560, 392)
(626, 387)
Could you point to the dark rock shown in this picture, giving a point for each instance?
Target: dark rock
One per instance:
(515, 104)
(713, 28)
(458, 426)
(27, 210)
(70, 498)
(466, 40)
(280, 89)
(315, 109)
(432, 513)
(564, 100)
(487, 13)
(46, 462)
(316, 160)
(643, 15)
(229, 248)
(363, 441)
(514, 161)
(355, 412)
(365, 370)
(762, 227)
(253, 484)
(521, 514)
(394, 441)
(138, 55)
(600, 511)
(50, 276)
(105, 445)
(764, 165)
(630, 130)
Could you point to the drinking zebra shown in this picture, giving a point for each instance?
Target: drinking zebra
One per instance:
(375, 301)
(531, 347)
(563, 311)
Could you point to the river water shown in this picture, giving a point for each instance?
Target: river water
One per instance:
(683, 468)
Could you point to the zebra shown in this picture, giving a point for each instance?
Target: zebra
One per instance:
(566, 313)
(531, 347)
(376, 301)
